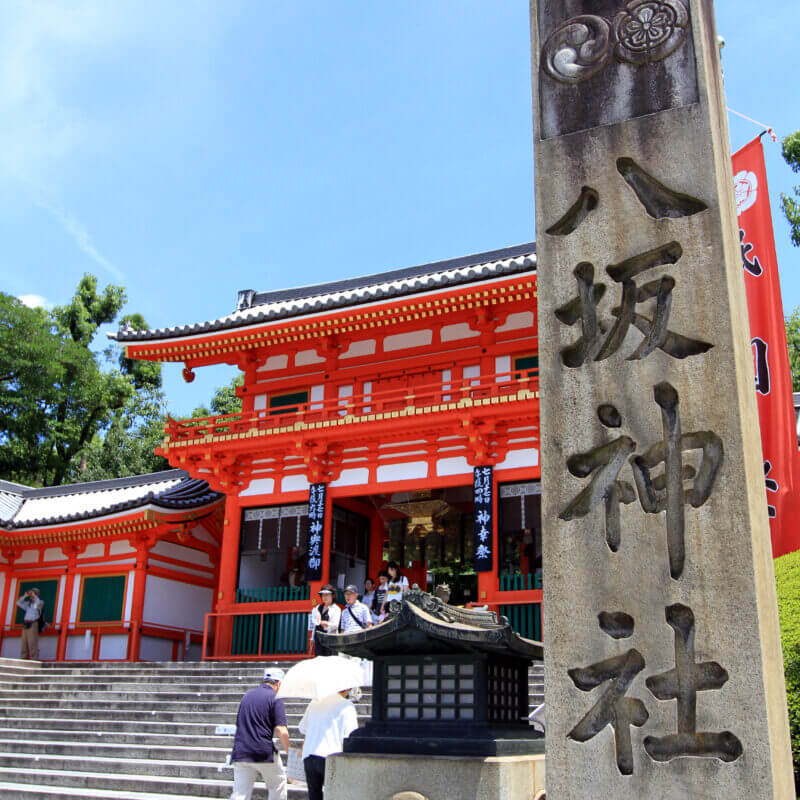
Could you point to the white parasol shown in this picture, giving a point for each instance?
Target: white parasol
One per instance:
(321, 677)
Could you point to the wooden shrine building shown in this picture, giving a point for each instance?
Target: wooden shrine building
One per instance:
(405, 406)
(126, 568)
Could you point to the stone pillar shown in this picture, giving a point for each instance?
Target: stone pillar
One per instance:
(662, 655)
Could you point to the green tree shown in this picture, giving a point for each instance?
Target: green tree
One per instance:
(787, 575)
(55, 395)
(224, 401)
(791, 204)
(793, 340)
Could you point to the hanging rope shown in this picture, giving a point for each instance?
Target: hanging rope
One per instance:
(769, 129)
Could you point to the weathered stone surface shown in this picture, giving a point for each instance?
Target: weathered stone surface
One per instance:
(656, 539)
(354, 776)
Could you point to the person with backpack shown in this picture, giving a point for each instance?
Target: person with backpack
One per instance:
(379, 597)
(325, 617)
(355, 616)
(33, 606)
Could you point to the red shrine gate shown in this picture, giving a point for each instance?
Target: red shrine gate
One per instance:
(412, 397)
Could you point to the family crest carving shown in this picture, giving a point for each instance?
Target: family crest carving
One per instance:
(645, 31)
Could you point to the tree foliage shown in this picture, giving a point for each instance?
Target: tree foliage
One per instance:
(791, 203)
(56, 396)
(224, 401)
(787, 575)
(793, 341)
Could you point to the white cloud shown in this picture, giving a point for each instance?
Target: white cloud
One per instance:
(64, 116)
(81, 237)
(35, 301)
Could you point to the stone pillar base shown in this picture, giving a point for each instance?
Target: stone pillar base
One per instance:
(361, 776)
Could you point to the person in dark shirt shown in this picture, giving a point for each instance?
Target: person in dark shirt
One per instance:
(261, 716)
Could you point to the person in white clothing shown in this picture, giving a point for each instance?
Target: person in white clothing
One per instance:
(325, 617)
(396, 587)
(325, 725)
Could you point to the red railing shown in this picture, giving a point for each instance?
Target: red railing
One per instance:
(257, 635)
(437, 396)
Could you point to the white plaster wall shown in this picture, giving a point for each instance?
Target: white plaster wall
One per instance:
(154, 649)
(10, 647)
(401, 341)
(294, 483)
(120, 547)
(305, 357)
(53, 554)
(73, 611)
(114, 646)
(461, 330)
(520, 458)
(195, 652)
(182, 553)
(126, 618)
(473, 371)
(179, 605)
(260, 486)
(352, 477)
(80, 647)
(316, 396)
(48, 646)
(366, 347)
(28, 556)
(203, 535)
(523, 319)
(502, 366)
(260, 402)
(93, 551)
(12, 599)
(275, 362)
(62, 585)
(403, 472)
(452, 466)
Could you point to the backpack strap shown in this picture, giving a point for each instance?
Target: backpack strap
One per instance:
(355, 619)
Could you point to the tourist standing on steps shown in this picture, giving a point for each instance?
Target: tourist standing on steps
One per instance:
(356, 616)
(325, 617)
(369, 593)
(325, 724)
(261, 716)
(32, 605)
(396, 587)
(378, 612)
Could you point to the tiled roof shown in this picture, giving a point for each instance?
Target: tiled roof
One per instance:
(26, 507)
(257, 307)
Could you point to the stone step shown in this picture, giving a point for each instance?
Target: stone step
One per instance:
(194, 770)
(120, 782)
(18, 791)
(102, 748)
(120, 709)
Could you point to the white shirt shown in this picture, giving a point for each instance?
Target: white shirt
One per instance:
(395, 589)
(334, 615)
(326, 724)
(360, 612)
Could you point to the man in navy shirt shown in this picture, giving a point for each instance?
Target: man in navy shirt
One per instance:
(261, 716)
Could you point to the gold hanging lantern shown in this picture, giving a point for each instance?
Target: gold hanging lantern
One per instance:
(424, 513)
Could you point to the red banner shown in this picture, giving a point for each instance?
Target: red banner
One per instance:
(770, 351)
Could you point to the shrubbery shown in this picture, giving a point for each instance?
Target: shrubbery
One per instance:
(787, 575)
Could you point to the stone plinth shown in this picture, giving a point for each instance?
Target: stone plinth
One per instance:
(355, 776)
(663, 672)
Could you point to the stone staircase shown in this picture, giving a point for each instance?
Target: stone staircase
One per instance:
(130, 731)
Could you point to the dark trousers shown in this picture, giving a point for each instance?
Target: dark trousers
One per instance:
(315, 776)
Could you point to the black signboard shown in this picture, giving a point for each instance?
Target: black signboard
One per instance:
(316, 526)
(483, 513)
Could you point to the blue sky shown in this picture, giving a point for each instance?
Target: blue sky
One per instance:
(188, 150)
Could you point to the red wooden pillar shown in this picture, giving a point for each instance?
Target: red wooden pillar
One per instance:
(228, 570)
(327, 538)
(9, 571)
(71, 551)
(143, 545)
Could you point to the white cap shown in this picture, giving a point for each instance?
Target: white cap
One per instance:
(273, 674)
